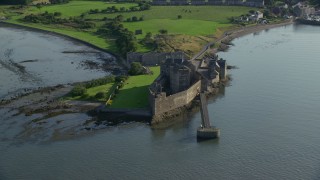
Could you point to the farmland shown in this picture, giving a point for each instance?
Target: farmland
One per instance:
(193, 21)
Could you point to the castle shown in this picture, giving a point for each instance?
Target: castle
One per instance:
(181, 80)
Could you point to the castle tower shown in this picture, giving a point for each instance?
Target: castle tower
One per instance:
(180, 78)
(223, 69)
(212, 69)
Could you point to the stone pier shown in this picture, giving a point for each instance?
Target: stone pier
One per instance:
(206, 131)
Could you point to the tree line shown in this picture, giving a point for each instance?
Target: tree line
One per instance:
(15, 2)
(25, 2)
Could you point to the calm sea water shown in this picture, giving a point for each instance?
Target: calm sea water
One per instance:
(31, 59)
(269, 119)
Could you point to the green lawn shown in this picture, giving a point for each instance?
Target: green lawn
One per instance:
(207, 13)
(134, 94)
(196, 20)
(91, 92)
(177, 26)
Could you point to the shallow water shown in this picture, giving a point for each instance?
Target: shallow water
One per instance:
(31, 59)
(269, 119)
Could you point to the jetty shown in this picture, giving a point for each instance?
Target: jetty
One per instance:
(206, 131)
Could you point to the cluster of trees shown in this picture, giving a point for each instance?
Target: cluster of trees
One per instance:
(25, 2)
(113, 9)
(135, 19)
(315, 2)
(81, 89)
(78, 90)
(45, 18)
(15, 2)
(99, 82)
(58, 1)
(108, 10)
(149, 41)
(53, 18)
(125, 39)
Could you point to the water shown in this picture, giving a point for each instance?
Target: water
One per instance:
(269, 119)
(31, 59)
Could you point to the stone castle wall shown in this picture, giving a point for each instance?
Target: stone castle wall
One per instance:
(163, 103)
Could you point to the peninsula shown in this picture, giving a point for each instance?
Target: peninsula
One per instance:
(142, 33)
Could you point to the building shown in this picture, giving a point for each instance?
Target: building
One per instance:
(198, 2)
(159, 2)
(215, 2)
(302, 10)
(254, 3)
(179, 2)
(181, 80)
(256, 16)
(153, 58)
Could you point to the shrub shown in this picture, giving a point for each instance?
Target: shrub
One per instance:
(57, 14)
(100, 95)
(136, 69)
(163, 31)
(78, 90)
(134, 18)
(121, 78)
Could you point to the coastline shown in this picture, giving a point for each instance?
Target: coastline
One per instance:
(236, 33)
(19, 26)
(228, 36)
(41, 106)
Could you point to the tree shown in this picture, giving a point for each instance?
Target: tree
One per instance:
(252, 11)
(119, 18)
(134, 18)
(58, 1)
(78, 90)
(100, 95)
(163, 31)
(136, 69)
(39, 6)
(315, 2)
(179, 16)
(148, 40)
(15, 2)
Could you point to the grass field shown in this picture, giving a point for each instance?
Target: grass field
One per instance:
(206, 13)
(196, 20)
(134, 94)
(76, 8)
(91, 92)
(177, 26)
